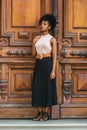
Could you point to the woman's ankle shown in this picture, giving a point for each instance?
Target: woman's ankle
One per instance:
(45, 116)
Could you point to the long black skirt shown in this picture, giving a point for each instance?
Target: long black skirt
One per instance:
(43, 88)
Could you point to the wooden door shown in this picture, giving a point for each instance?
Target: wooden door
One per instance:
(73, 58)
(18, 26)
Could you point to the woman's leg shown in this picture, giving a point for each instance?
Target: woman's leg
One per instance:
(45, 116)
(39, 115)
(46, 109)
(39, 109)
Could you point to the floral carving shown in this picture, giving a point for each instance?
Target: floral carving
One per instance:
(66, 43)
(3, 42)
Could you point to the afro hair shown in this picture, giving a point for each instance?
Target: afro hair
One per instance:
(50, 18)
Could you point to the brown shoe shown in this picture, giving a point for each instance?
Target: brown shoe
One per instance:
(44, 117)
(38, 117)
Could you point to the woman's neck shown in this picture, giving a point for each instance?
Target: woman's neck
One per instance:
(45, 33)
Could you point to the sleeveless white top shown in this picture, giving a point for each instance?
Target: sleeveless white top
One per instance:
(43, 45)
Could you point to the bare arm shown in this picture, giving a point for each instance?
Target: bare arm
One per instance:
(33, 48)
(33, 45)
(54, 54)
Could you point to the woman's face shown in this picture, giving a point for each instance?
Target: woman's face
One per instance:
(44, 26)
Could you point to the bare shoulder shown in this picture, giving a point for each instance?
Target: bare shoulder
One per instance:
(36, 38)
(53, 40)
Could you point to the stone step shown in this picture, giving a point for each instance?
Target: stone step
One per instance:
(61, 124)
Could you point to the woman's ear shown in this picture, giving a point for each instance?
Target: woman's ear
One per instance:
(49, 27)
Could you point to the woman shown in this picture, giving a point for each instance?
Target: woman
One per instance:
(44, 48)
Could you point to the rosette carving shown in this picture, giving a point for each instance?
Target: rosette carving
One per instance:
(3, 42)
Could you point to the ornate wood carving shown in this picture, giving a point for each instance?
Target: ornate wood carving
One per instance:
(20, 52)
(3, 42)
(65, 44)
(23, 34)
(79, 53)
(67, 88)
(3, 86)
(83, 36)
(17, 25)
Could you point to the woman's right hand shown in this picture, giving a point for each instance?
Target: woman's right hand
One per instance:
(52, 75)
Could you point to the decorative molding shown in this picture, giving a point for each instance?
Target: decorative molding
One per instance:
(3, 86)
(67, 88)
(71, 26)
(16, 15)
(3, 43)
(10, 31)
(23, 34)
(20, 52)
(24, 85)
(83, 36)
(72, 37)
(55, 12)
(66, 43)
(79, 53)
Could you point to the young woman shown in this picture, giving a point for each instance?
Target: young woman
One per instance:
(44, 48)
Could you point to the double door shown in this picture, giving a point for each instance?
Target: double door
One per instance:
(18, 26)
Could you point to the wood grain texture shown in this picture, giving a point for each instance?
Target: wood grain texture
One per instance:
(18, 24)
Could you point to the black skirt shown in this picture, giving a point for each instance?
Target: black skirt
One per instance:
(43, 88)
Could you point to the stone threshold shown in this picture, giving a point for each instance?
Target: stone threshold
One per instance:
(27, 124)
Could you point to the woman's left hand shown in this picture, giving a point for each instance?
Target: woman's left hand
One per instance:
(52, 75)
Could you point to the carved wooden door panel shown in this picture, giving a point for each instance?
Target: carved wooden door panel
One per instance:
(73, 58)
(18, 25)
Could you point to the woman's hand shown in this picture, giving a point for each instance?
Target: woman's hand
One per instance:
(54, 54)
(52, 75)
